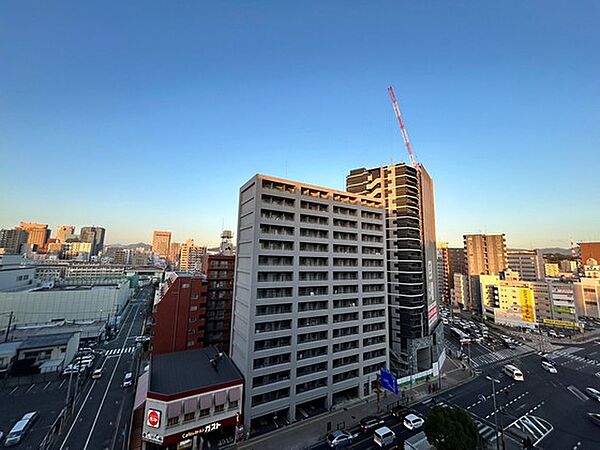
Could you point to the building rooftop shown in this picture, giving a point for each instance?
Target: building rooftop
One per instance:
(9, 348)
(190, 370)
(46, 340)
(88, 329)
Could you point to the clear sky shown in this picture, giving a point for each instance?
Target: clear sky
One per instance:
(150, 115)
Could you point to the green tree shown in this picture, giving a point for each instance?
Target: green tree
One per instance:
(451, 429)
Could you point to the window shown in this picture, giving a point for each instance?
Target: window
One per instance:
(204, 412)
(172, 421)
(194, 296)
(193, 308)
(219, 408)
(185, 285)
(233, 404)
(189, 416)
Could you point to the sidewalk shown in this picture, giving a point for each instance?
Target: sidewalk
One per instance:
(309, 432)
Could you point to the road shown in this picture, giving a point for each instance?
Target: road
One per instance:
(102, 422)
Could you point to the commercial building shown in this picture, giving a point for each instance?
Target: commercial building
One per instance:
(16, 273)
(220, 272)
(485, 254)
(527, 263)
(587, 295)
(64, 232)
(588, 250)
(443, 272)
(416, 339)
(179, 313)
(80, 251)
(188, 400)
(191, 256)
(95, 236)
(37, 234)
(591, 269)
(47, 353)
(161, 243)
(12, 241)
(310, 316)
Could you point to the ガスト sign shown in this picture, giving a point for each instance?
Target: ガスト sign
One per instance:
(153, 418)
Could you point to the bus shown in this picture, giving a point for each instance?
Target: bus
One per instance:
(460, 335)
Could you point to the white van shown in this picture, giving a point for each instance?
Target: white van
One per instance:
(513, 372)
(384, 436)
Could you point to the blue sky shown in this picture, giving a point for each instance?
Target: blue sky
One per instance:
(150, 115)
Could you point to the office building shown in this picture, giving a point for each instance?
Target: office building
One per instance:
(485, 254)
(13, 240)
(179, 313)
(80, 251)
(188, 400)
(526, 263)
(38, 235)
(174, 251)
(588, 250)
(63, 232)
(161, 243)
(416, 340)
(95, 236)
(310, 317)
(587, 295)
(191, 256)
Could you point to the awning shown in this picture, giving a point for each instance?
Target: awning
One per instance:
(174, 409)
(220, 398)
(206, 401)
(189, 405)
(234, 394)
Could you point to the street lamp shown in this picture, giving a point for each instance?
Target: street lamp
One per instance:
(496, 411)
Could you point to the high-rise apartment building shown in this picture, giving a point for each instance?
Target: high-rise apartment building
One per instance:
(179, 313)
(416, 340)
(12, 240)
(191, 256)
(589, 250)
(95, 236)
(527, 263)
(161, 243)
(63, 232)
(220, 271)
(443, 272)
(310, 317)
(485, 254)
(456, 263)
(174, 252)
(38, 234)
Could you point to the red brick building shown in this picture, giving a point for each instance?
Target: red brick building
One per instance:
(219, 271)
(179, 313)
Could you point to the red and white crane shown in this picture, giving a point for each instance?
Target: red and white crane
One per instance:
(411, 153)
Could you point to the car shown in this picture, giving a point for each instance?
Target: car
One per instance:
(594, 393)
(370, 423)
(384, 436)
(339, 439)
(128, 379)
(399, 411)
(18, 431)
(413, 422)
(97, 374)
(549, 367)
(594, 417)
(552, 333)
(86, 350)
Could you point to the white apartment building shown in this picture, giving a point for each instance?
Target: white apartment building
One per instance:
(310, 315)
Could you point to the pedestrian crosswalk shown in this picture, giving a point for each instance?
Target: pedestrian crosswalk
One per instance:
(485, 431)
(534, 426)
(118, 351)
(569, 353)
(501, 355)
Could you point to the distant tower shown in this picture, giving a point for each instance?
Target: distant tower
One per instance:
(226, 247)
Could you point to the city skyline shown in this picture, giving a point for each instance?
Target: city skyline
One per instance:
(490, 122)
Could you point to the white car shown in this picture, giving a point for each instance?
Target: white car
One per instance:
(97, 374)
(549, 367)
(413, 422)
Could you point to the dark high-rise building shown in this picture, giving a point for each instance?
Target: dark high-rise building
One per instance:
(456, 263)
(416, 339)
(95, 236)
(12, 240)
(220, 271)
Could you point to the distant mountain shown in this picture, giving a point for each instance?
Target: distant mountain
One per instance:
(138, 244)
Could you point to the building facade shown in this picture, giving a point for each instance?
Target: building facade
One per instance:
(220, 272)
(588, 250)
(416, 340)
(63, 232)
(95, 236)
(37, 234)
(310, 316)
(161, 243)
(443, 273)
(587, 295)
(12, 240)
(191, 256)
(526, 263)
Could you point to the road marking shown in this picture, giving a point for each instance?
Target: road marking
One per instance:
(14, 390)
(45, 387)
(577, 393)
(62, 382)
(30, 388)
(108, 387)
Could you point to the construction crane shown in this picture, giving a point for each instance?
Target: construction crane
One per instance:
(411, 154)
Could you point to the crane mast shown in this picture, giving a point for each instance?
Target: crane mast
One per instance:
(411, 153)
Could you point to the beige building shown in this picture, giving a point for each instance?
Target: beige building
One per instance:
(552, 270)
(77, 250)
(161, 243)
(174, 252)
(587, 297)
(191, 256)
(63, 232)
(460, 292)
(38, 233)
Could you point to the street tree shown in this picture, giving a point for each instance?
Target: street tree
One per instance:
(450, 428)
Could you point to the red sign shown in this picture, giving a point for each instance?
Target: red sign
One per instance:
(153, 418)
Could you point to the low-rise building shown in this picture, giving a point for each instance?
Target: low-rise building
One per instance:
(47, 353)
(190, 400)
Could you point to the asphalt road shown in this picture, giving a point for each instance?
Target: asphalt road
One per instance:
(102, 422)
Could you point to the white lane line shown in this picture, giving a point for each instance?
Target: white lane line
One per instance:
(61, 383)
(577, 393)
(14, 390)
(108, 387)
(45, 387)
(30, 388)
(82, 407)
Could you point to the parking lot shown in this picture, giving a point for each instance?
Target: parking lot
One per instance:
(47, 396)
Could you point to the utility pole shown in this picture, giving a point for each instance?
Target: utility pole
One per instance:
(10, 318)
(493, 381)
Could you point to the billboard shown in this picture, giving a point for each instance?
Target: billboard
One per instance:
(388, 381)
(527, 305)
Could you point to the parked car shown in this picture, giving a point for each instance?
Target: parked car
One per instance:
(128, 379)
(370, 423)
(97, 374)
(413, 422)
(339, 439)
(18, 431)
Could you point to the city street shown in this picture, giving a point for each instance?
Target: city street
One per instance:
(102, 421)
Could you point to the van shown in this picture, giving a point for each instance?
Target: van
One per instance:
(384, 436)
(513, 372)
